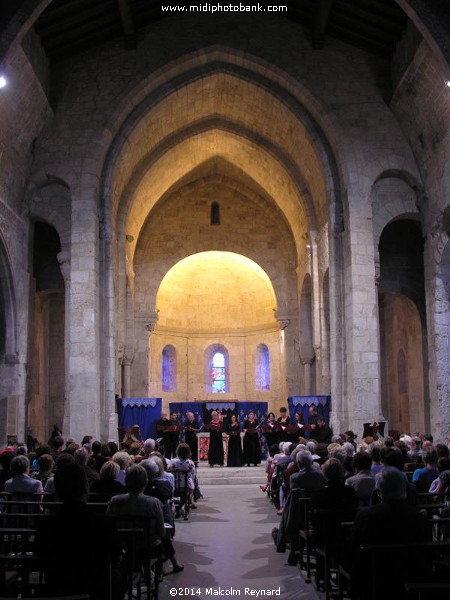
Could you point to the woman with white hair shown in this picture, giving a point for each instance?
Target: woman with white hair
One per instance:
(124, 460)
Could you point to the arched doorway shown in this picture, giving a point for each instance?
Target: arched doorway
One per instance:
(46, 394)
(402, 315)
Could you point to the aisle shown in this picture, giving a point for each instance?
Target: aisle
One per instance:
(226, 546)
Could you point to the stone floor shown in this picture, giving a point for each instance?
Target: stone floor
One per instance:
(226, 546)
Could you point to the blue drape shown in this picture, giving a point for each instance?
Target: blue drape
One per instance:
(140, 411)
(302, 404)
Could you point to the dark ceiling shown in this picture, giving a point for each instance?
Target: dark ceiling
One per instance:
(67, 27)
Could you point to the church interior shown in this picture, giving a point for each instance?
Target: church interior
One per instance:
(202, 205)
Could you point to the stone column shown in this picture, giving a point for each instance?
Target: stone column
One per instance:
(361, 333)
(82, 410)
(308, 377)
(64, 264)
(150, 327)
(288, 325)
(126, 378)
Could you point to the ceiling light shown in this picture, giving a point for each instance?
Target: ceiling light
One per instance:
(3, 81)
(447, 83)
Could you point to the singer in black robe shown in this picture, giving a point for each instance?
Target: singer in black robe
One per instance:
(165, 435)
(271, 430)
(190, 435)
(283, 421)
(235, 457)
(215, 452)
(252, 451)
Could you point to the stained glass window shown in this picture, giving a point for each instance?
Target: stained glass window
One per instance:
(262, 368)
(218, 374)
(169, 369)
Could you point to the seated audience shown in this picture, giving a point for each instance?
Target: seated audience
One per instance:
(99, 455)
(159, 487)
(107, 484)
(392, 457)
(147, 449)
(63, 459)
(340, 501)
(124, 460)
(81, 457)
(441, 485)
(183, 462)
(424, 477)
(45, 465)
(136, 504)
(375, 454)
(21, 482)
(308, 478)
(392, 521)
(364, 480)
(77, 545)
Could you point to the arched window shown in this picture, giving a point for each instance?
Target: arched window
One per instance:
(169, 369)
(217, 367)
(262, 368)
(215, 213)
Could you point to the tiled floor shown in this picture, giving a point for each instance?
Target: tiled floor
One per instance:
(226, 547)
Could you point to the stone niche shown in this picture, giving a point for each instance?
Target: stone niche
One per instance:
(216, 302)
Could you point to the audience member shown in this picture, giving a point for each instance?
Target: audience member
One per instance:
(124, 460)
(424, 477)
(136, 504)
(364, 480)
(77, 545)
(107, 483)
(81, 457)
(45, 465)
(21, 482)
(99, 455)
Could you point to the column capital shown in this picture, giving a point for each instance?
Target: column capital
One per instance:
(151, 320)
(63, 258)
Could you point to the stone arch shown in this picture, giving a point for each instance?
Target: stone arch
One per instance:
(47, 369)
(50, 201)
(394, 195)
(8, 322)
(403, 326)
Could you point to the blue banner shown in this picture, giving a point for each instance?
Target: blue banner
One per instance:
(140, 411)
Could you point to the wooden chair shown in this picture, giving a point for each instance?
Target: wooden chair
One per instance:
(182, 492)
(136, 535)
(306, 538)
(400, 564)
(334, 529)
(428, 591)
(16, 575)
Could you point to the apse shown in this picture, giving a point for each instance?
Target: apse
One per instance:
(216, 292)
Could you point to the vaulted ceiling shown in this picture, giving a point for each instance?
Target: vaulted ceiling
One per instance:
(67, 27)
